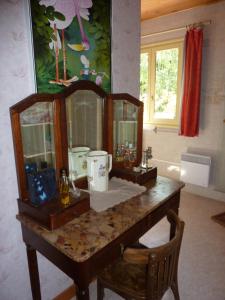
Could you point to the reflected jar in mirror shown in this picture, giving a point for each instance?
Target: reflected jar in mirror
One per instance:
(78, 162)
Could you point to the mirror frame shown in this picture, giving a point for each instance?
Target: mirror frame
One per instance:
(15, 112)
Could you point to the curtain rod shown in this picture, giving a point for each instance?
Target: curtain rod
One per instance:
(207, 22)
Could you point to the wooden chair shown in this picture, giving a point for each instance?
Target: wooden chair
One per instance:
(145, 273)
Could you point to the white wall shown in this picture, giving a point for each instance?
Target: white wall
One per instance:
(16, 80)
(126, 46)
(167, 145)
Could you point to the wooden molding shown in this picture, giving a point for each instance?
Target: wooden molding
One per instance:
(67, 294)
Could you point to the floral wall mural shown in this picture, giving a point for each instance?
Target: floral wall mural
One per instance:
(71, 41)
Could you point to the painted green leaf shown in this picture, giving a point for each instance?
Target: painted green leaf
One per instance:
(59, 16)
(51, 17)
(49, 10)
(92, 29)
(98, 35)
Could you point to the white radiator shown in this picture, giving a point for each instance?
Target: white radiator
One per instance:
(195, 169)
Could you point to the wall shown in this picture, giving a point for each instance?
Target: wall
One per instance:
(167, 145)
(16, 79)
(126, 47)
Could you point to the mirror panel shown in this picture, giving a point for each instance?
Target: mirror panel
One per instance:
(125, 125)
(38, 135)
(84, 113)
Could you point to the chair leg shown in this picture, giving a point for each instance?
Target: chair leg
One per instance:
(100, 290)
(174, 288)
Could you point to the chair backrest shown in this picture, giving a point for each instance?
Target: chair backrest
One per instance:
(162, 261)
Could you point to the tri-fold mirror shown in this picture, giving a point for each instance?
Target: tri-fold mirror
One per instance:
(58, 130)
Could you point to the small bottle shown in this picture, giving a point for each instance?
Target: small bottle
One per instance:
(126, 161)
(117, 152)
(64, 188)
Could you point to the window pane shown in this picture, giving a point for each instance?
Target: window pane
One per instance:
(166, 83)
(144, 81)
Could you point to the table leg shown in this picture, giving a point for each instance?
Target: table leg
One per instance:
(173, 225)
(82, 294)
(34, 275)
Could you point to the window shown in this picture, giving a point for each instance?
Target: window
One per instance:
(160, 79)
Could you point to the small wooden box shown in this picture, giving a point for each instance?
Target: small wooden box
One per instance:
(140, 177)
(53, 214)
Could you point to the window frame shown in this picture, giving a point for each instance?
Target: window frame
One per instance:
(151, 49)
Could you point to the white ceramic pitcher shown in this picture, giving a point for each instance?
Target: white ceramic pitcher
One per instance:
(99, 164)
(78, 162)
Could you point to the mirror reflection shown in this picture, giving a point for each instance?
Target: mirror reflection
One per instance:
(37, 135)
(125, 132)
(84, 110)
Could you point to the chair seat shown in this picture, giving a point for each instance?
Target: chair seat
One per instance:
(126, 278)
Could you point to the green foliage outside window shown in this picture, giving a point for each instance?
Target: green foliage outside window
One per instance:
(166, 82)
(144, 76)
(160, 82)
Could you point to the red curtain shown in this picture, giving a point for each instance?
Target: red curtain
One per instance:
(192, 83)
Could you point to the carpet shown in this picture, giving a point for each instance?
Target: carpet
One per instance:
(220, 218)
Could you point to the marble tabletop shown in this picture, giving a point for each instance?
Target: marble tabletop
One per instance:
(84, 236)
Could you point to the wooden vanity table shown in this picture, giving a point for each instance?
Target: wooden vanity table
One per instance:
(87, 244)
(47, 131)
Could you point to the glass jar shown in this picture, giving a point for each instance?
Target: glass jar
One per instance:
(64, 188)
